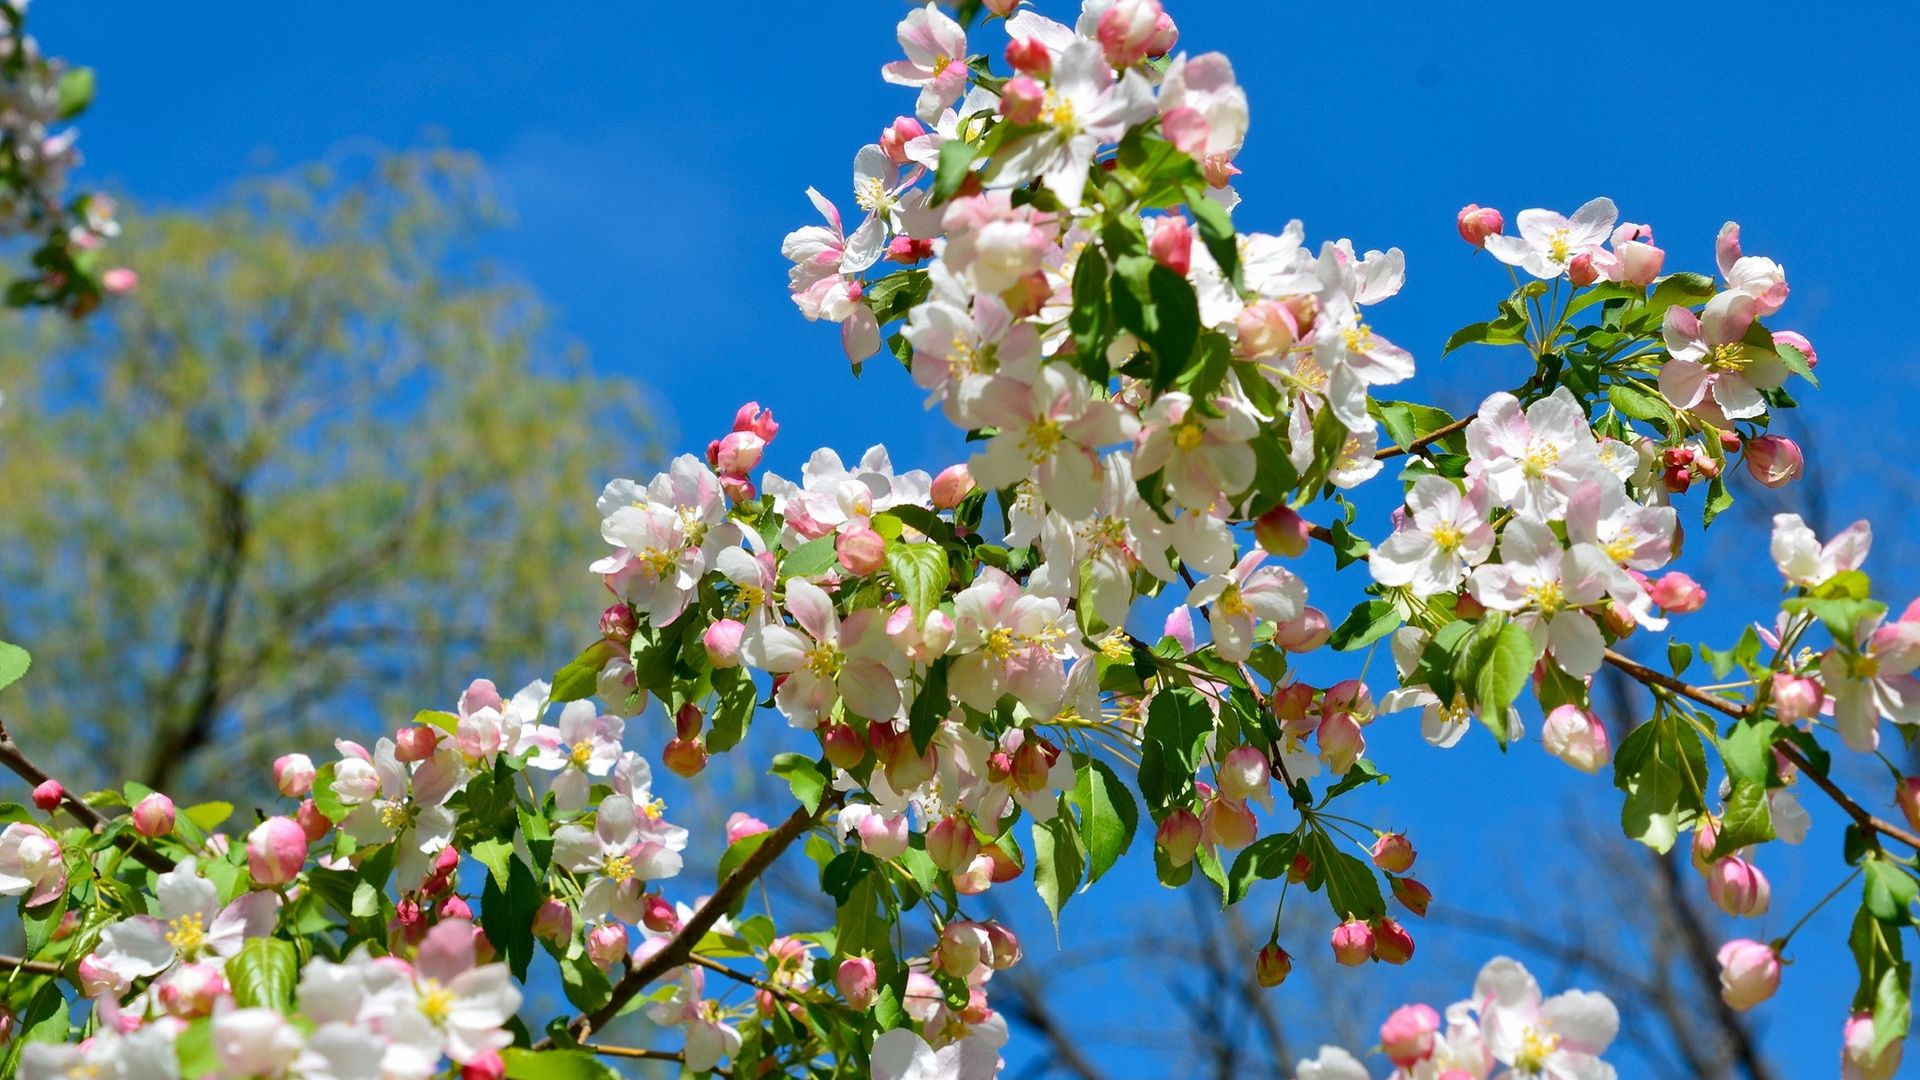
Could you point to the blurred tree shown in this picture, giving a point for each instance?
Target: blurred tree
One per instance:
(322, 458)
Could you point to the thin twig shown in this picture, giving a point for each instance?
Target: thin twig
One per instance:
(644, 1055)
(17, 761)
(31, 967)
(1424, 441)
(742, 977)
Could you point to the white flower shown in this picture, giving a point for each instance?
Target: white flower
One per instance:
(827, 659)
(1445, 535)
(409, 809)
(1547, 587)
(1560, 1038)
(584, 744)
(1549, 241)
(1332, 1063)
(191, 924)
(1804, 561)
(1084, 108)
(1239, 599)
(901, 1055)
(1532, 460)
(616, 859)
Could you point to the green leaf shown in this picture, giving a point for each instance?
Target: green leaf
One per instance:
(1890, 892)
(1216, 231)
(893, 296)
(803, 776)
(733, 711)
(1266, 859)
(1364, 625)
(263, 974)
(1635, 400)
(14, 662)
(1505, 330)
(1662, 767)
(956, 158)
(1178, 723)
(1161, 309)
(555, 1064)
(1683, 290)
(1748, 820)
(581, 678)
(1056, 861)
(506, 914)
(1502, 675)
(75, 92)
(1842, 616)
(1748, 750)
(1352, 889)
(920, 572)
(1108, 816)
(1090, 318)
(1679, 657)
(1796, 361)
(209, 815)
(811, 558)
(1719, 501)
(1347, 548)
(496, 856)
(930, 706)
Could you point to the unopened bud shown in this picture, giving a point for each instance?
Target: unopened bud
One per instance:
(1408, 1035)
(952, 485)
(1577, 737)
(686, 757)
(1352, 942)
(951, 844)
(1272, 966)
(618, 623)
(415, 743)
(722, 642)
(1476, 223)
(1178, 836)
(293, 775)
(861, 550)
(1029, 56)
(1749, 973)
(1412, 895)
(1738, 887)
(1391, 942)
(47, 795)
(1172, 244)
(1282, 532)
(1581, 270)
(858, 981)
(1022, 99)
(553, 921)
(1774, 460)
(276, 851)
(660, 916)
(1678, 593)
(607, 945)
(1304, 633)
(154, 816)
(1393, 852)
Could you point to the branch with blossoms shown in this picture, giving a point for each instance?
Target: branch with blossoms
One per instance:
(1165, 411)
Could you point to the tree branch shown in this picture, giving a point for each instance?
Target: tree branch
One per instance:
(1424, 441)
(17, 761)
(679, 949)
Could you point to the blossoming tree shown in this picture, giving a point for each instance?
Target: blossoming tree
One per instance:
(1167, 411)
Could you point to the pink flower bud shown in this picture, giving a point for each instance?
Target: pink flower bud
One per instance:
(276, 850)
(907, 250)
(97, 980)
(1798, 341)
(415, 743)
(1300, 869)
(1033, 762)
(660, 916)
(1706, 835)
(1619, 619)
(1749, 973)
(861, 550)
(1002, 8)
(1857, 1059)
(952, 485)
(686, 757)
(1126, 29)
(895, 137)
(553, 921)
(738, 489)
(1738, 887)
(119, 281)
(1267, 328)
(1293, 707)
(858, 981)
(1028, 56)
(722, 642)
(741, 825)
(607, 945)
(1581, 271)
(1244, 774)
(485, 1065)
(1178, 836)
(47, 795)
(191, 990)
(1412, 895)
(843, 745)
(293, 775)
(951, 844)
(1407, 1036)
(312, 822)
(1907, 795)
(1022, 99)
(1341, 742)
(1391, 942)
(1229, 824)
(439, 879)
(1577, 737)
(455, 908)
(618, 623)
(1282, 532)
(884, 836)
(751, 417)
(1639, 263)
(1479, 222)
(154, 816)
(1352, 942)
(1678, 593)
(1172, 244)
(1165, 36)
(1272, 966)
(1393, 852)
(1305, 633)
(1796, 698)
(1774, 461)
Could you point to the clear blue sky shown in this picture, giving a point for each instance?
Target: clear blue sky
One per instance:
(655, 154)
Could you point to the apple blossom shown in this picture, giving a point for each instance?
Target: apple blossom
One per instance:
(1708, 356)
(1858, 1061)
(826, 659)
(1749, 973)
(1548, 242)
(1577, 737)
(47, 795)
(1352, 942)
(1477, 222)
(31, 864)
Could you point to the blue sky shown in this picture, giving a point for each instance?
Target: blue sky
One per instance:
(655, 154)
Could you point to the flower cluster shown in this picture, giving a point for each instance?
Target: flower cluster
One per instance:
(1167, 412)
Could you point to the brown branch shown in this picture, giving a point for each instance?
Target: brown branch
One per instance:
(1421, 443)
(1867, 820)
(17, 761)
(32, 967)
(742, 977)
(679, 949)
(643, 1055)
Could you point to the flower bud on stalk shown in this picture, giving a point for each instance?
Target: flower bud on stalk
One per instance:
(415, 743)
(1407, 1036)
(722, 642)
(1030, 57)
(618, 623)
(154, 816)
(1272, 966)
(1393, 852)
(1796, 698)
(1283, 532)
(1773, 460)
(660, 916)
(553, 921)
(1412, 895)
(1178, 836)
(276, 851)
(686, 757)
(861, 550)
(293, 775)
(1738, 887)
(858, 981)
(1305, 633)
(1749, 973)
(47, 795)
(607, 945)
(1172, 244)
(312, 822)
(1352, 942)
(951, 844)
(952, 485)
(1391, 942)
(1477, 222)
(741, 825)
(486, 1065)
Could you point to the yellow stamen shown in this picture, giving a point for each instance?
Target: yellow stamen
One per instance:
(187, 933)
